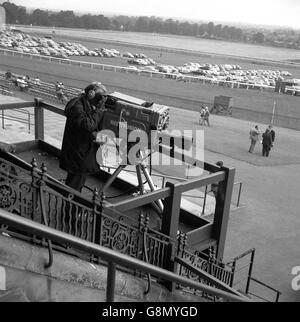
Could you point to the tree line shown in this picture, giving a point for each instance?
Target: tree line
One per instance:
(20, 15)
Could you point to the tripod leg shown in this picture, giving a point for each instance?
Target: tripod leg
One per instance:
(111, 179)
(151, 185)
(140, 179)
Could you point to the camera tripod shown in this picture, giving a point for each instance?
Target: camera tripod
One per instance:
(141, 169)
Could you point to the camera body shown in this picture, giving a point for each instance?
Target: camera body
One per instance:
(138, 114)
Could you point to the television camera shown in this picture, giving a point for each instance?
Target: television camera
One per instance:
(148, 118)
(138, 114)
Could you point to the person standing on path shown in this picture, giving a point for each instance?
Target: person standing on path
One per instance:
(266, 142)
(202, 116)
(254, 137)
(272, 132)
(206, 116)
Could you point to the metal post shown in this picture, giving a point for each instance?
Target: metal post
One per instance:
(250, 271)
(232, 273)
(221, 217)
(38, 120)
(163, 182)
(273, 112)
(3, 126)
(111, 281)
(170, 222)
(204, 201)
(29, 122)
(239, 196)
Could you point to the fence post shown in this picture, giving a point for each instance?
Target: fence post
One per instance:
(250, 271)
(97, 217)
(34, 179)
(111, 282)
(38, 120)
(233, 268)
(239, 196)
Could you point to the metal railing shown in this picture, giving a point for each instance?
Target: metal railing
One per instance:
(11, 117)
(5, 90)
(111, 257)
(40, 197)
(190, 259)
(277, 292)
(240, 184)
(248, 278)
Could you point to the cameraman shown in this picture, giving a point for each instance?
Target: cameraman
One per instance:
(84, 117)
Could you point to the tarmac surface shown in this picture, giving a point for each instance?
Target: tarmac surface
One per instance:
(269, 220)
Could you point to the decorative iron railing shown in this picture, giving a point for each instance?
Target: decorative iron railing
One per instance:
(29, 194)
(113, 259)
(206, 262)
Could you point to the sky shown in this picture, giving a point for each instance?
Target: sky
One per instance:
(262, 12)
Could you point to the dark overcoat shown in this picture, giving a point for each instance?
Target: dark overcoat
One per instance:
(267, 140)
(78, 153)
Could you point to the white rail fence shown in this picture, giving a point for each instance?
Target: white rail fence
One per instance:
(112, 68)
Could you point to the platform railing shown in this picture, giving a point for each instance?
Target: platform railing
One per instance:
(43, 200)
(26, 120)
(242, 268)
(277, 292)
(113, 259)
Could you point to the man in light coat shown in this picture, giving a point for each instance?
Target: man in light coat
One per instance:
(254, 137)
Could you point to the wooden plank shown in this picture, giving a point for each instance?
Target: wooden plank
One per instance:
(197, 236)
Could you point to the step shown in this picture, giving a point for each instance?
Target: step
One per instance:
(15, 295)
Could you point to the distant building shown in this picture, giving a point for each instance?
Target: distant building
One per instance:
(2, 18)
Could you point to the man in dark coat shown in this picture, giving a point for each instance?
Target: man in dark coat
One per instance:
(84, 115)
(266, 142)
(272, 132)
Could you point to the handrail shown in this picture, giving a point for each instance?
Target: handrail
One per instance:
(278, 293)
(17, 119)
(240, 191)
(16, 105)
(247, 252)
(204, 275)
(110, 256)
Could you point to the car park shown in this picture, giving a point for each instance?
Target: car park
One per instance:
(25, 43)
(128, 55)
